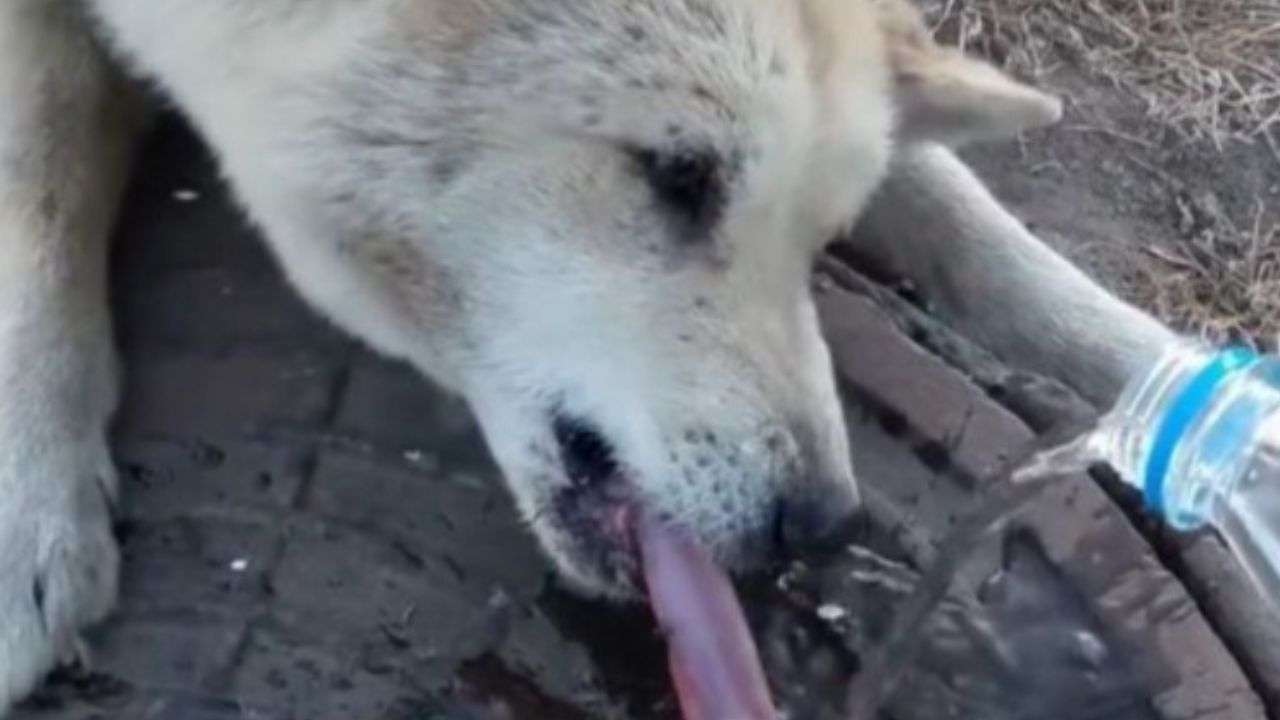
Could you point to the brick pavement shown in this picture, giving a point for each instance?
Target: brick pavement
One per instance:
(312, 533)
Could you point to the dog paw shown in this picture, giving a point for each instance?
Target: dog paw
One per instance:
(58, 558)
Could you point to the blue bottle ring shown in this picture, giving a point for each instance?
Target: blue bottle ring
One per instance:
(1186, 407)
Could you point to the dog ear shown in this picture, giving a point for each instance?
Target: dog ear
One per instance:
(944, 96)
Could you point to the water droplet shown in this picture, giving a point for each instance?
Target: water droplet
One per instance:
(832, 613)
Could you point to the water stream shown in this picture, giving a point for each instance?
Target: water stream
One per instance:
(895, 654)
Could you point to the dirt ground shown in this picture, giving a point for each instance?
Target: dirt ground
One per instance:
(1164, 176)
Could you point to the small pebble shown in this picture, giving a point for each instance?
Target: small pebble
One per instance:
(239, 565)
(186, 195)
(832, 613)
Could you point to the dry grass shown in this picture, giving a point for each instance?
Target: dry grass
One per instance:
(1222, 283)
(1206, 71)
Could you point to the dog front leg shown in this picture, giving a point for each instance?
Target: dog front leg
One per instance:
(936, 224)
(65, 129)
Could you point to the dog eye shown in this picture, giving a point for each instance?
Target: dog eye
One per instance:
(688, 183)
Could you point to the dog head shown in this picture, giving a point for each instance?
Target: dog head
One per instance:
(597, 220)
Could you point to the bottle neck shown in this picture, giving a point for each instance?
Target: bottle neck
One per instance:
(1124, 433)
(1141, 437)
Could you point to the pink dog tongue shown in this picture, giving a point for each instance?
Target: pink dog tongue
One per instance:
(713, 658)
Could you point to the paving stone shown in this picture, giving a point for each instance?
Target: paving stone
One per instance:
(219, 564)
(1142, 603)
(193, 395)
(955, 420)
(286, 678)
(169, 476)
(235, 309)
(384, 399)
(468, 528)
(176, 652)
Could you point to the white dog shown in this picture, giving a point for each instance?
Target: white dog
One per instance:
(595, 219)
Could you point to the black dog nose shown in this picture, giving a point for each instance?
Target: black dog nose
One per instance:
(821, 520)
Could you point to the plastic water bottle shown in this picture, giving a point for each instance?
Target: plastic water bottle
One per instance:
(1199, 435)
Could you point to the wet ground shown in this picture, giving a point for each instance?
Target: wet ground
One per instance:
(313, 533)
